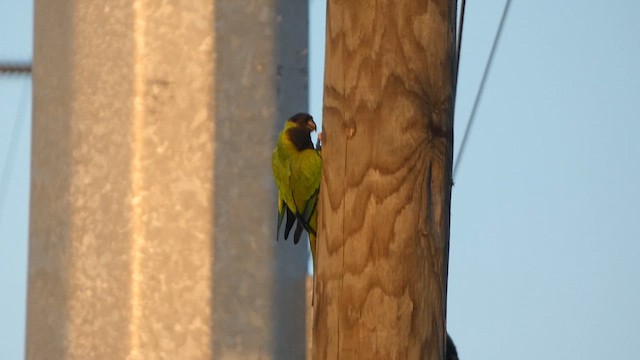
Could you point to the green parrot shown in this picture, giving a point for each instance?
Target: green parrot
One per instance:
(297, 169)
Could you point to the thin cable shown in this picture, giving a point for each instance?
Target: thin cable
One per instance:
(487, 69)
(460, 29)
(15, 68)
(11, 151)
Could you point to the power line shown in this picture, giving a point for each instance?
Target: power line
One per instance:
(15, 68)
(460, 29)
(487, 68)
(5, 176)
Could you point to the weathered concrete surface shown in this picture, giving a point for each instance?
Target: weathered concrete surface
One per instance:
(152, 211)
(261, 79)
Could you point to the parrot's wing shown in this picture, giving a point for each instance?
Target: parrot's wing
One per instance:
(281, 168)
(310, 209)
(305, 173)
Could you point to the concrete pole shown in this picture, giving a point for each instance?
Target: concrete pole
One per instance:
(152, 205)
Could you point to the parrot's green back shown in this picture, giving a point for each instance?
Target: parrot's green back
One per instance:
(297, 170)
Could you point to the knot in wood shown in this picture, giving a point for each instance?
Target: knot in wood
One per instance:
(350, 131)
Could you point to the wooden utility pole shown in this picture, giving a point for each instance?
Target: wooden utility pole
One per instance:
(386, 189)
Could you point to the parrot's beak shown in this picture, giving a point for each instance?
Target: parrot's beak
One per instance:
(311, 125)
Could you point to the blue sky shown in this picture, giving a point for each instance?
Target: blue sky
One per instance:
(15, 105)
(545, 231)
(545, 236)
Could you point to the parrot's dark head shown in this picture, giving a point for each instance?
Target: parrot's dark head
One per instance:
(303, 121)
(299, 128)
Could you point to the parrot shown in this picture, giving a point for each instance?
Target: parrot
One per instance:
(297, 169)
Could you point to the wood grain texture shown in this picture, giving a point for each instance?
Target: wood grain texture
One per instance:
(386, 188)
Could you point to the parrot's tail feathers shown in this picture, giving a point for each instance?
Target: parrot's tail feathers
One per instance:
(291, 218)
(298, 234)
(304, 223)
(310, 209)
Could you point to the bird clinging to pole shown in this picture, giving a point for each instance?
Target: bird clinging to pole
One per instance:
(297, 169)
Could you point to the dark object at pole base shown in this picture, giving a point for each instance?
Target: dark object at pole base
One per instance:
(452, 353)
